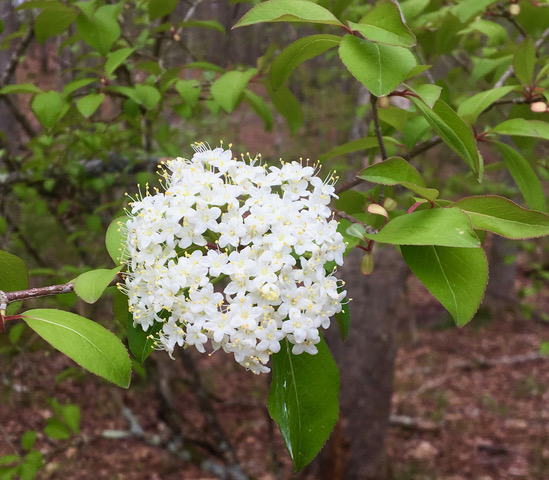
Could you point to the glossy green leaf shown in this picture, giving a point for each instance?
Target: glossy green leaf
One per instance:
(206, 66)
(457, 277)
(523, 128)
(227, 89)
(303, 400)
(189, 90)
(465, 10)
(116, 58)
(49, 108)
(524, 61)
(503, 217)
(397, 171)
(380, 68)
(448, 227)
(259, 106)
(89, 344)
(471, 108)
(142, 343)
(524, 176)
(89, 286)
(53, 21)
(160, 8)
(14, 276)
(88, 104)
(428, 92)
(101, 30)
(288, 11)
(366, 143)
(288, 106)
(115, 239)
(297, 53)
(454, 132)
(20, 88)
(383, 24)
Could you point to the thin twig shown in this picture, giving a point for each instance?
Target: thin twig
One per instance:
(338, 213)
(423, 147)
(16, 56)
(377, 127)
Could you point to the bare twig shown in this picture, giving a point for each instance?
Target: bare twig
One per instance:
(377, 127)
(423, 147)
(16, 56)
(338, 213)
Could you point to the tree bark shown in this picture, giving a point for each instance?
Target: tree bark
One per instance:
(356, 450)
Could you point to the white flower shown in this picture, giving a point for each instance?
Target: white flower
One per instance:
(233, 254)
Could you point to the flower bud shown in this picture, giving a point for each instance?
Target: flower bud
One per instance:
(389, 204)
(538, 107)
(367, 264)
(384, 102)
(514, 9)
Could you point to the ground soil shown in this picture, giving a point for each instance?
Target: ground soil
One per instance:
(469, 403)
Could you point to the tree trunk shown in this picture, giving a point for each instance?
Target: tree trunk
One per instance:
(356, 450)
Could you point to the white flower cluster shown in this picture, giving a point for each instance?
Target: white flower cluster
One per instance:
(262, 235)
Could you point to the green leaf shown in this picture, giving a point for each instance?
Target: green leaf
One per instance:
(189, 90)
(146, 95)
(465, 10)
(20, 88)
(447, 227)
(356, 230)
(303, 400)
(71, 414)
(524, 176)
(428, 92)
(471, 108)
(89, 286)
(211, 24)
(297, 53)
(260, 107)
(397, 171)
(88, 104)
(14, 274)
(503, 217)
(380, 68)
(142, 342)
(116, 58)
(49, 108)
(454, 132)
(76, 84)
(53, 20)
(288, 11)
(89, 344)
(354, 146)
(56, 429)
(115, 239)
(384, 24)
(206, 66)
(159, 8)
(227, 89)
(288, 106)
(523, 128)
(457, 277)
(524, 61)
(101, 30)
(28, 439)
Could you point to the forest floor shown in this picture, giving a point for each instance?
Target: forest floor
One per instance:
(469, 403)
